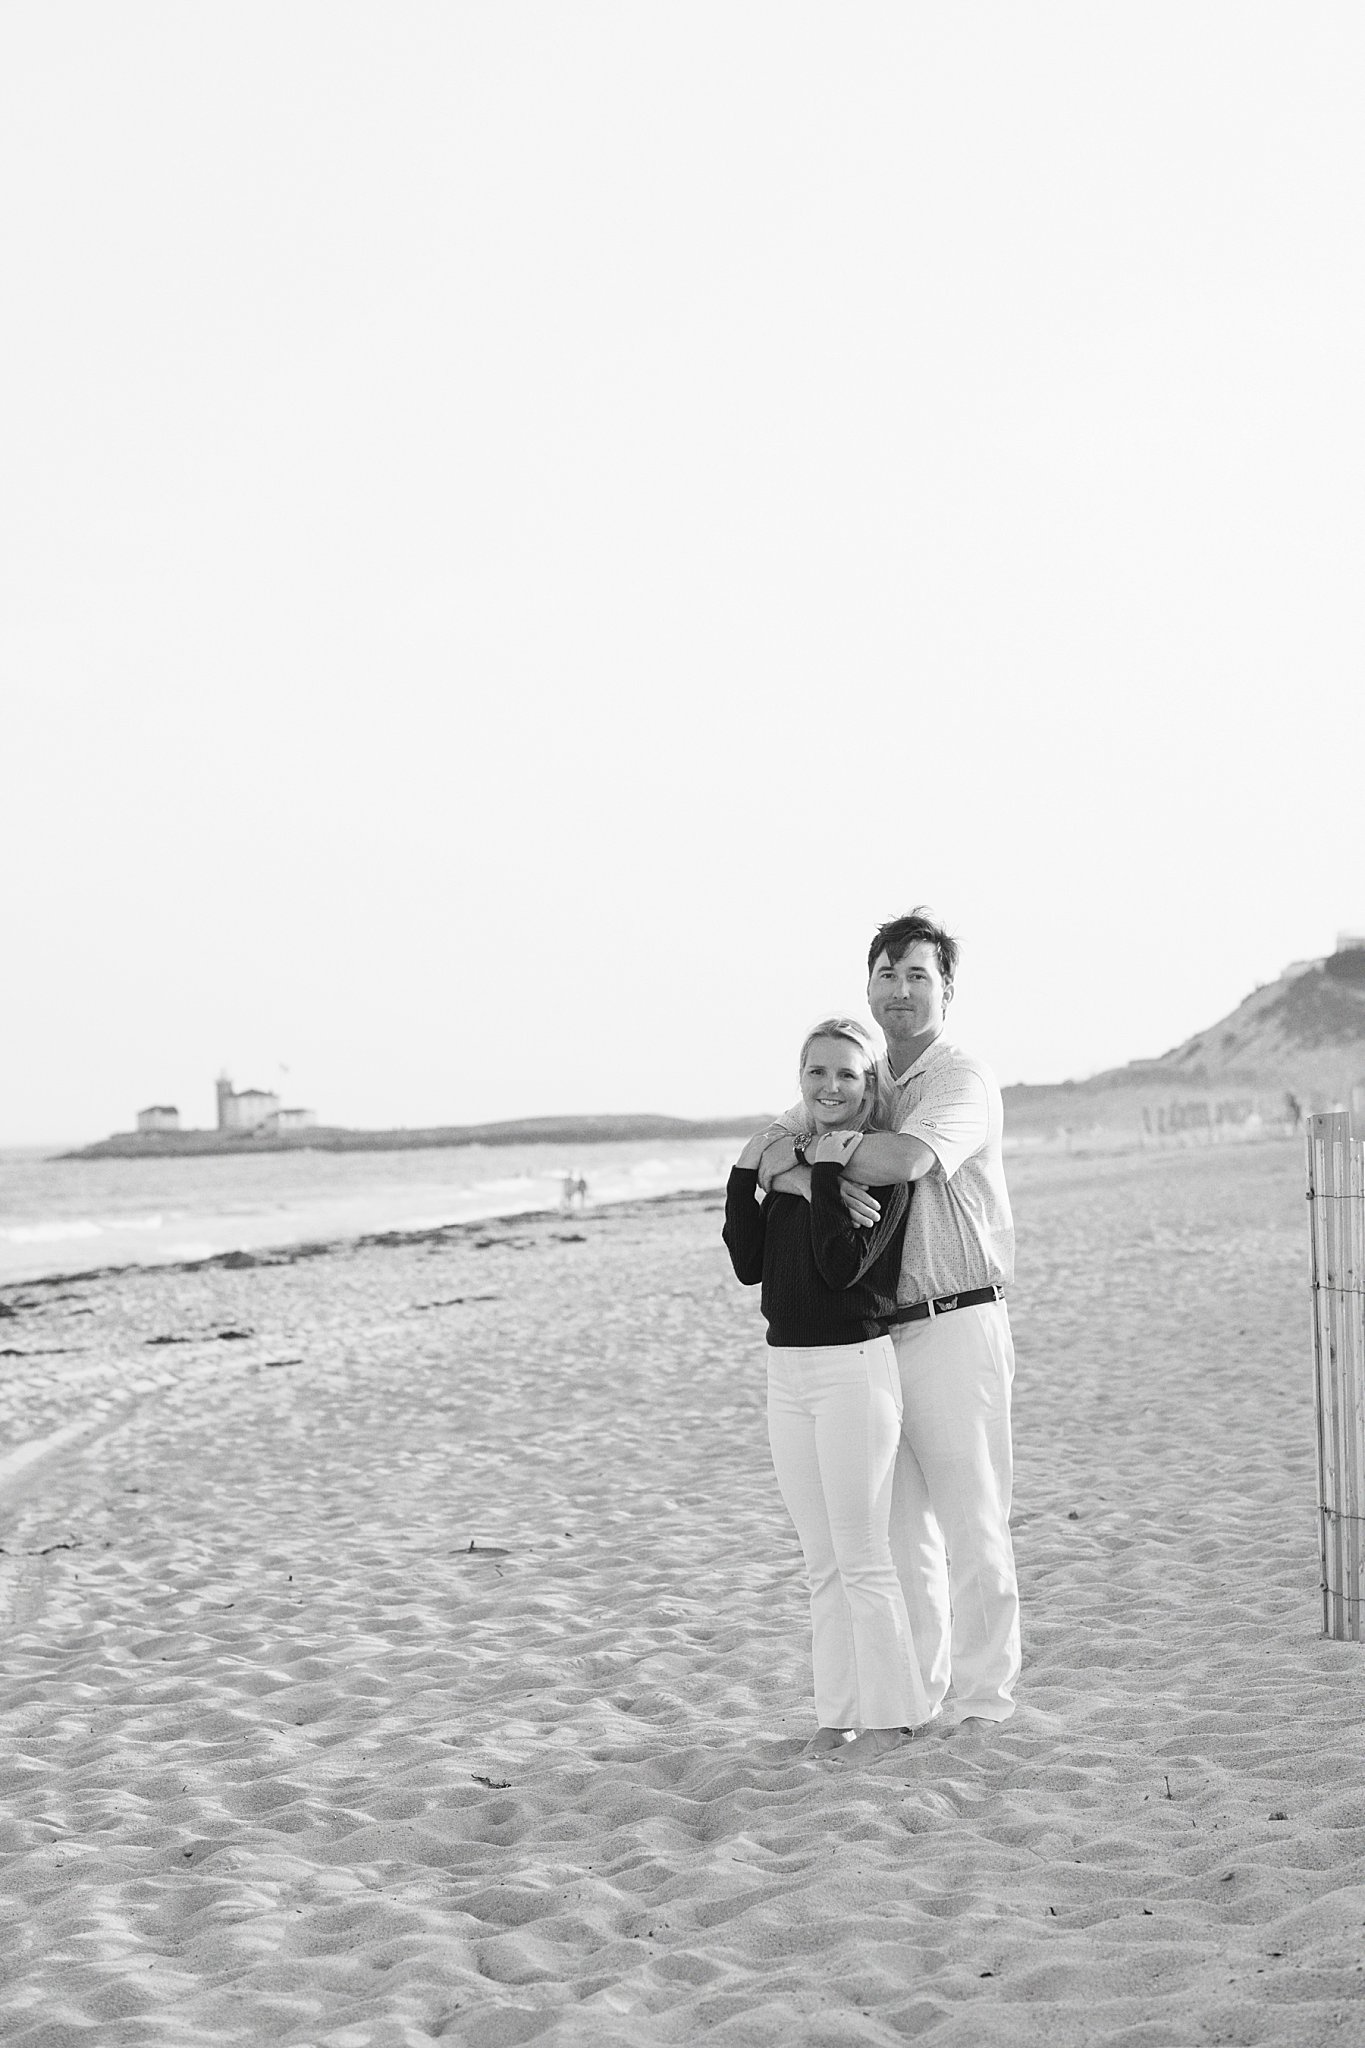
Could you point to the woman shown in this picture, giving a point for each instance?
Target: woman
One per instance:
(834, 1398)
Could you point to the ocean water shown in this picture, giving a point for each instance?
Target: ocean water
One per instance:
(65, 1216)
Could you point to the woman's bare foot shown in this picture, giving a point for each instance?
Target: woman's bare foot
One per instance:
(874, 1742)
(826, 1741)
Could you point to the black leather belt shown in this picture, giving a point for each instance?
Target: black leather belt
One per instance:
(944, 1304)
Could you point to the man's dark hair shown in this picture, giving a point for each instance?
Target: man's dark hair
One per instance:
(916, 928)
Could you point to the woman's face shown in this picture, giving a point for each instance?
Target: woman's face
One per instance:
(833, 1082)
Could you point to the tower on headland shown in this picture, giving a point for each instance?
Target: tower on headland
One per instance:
(244, 1110)
(257, 1110)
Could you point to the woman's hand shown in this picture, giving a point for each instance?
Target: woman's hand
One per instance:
(753, 1151)
(838, 1147)
(833, 1148)
(780, 1160)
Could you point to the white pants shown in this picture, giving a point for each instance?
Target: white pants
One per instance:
(834, 1421)
(954, 1476)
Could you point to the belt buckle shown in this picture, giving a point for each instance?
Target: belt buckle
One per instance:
(944, 1305)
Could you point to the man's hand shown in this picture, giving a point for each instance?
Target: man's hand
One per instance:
(859, 1203)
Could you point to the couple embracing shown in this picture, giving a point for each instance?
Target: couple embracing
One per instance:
(875, 1216)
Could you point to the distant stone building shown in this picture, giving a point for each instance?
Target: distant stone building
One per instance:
(292, 1120)
(244, 1110)
(160, 1117)
(259, 1111)
(1347, 964)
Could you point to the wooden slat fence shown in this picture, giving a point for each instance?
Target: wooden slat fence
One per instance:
(1336, 1210)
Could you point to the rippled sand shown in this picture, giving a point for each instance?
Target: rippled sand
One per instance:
(429, 1662)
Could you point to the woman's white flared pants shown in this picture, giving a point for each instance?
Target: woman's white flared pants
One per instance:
(834, 1422)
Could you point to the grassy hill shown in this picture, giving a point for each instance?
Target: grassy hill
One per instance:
(1305, 1032)
(1301, 1037)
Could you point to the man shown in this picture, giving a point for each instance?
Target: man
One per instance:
(950, 1523)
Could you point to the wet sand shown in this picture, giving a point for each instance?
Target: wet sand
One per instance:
(427, 1661)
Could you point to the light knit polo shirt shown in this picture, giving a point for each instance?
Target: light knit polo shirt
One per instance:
(960, 1232)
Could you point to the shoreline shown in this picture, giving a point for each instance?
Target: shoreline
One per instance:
(292, 1251)
(1021, 1158)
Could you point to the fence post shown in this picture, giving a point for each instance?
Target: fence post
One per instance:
(1336, 1211)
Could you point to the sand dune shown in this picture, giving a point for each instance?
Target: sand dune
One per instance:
(428, 1663)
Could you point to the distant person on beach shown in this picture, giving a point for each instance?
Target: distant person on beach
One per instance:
(950, 1523)
(834, 1401)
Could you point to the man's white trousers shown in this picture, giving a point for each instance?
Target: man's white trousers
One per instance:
(950, 1525)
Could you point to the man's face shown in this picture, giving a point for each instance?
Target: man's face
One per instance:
(908, 996)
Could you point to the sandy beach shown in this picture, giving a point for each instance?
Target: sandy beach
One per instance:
(404, 1643)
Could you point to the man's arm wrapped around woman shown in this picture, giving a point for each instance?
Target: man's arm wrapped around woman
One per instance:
(845, 1250)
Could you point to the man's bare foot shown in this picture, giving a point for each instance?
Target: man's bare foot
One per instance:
(872, 1743)
(826, 1741)
(967, 1725)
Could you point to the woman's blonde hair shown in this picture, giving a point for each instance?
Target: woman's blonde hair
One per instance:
(857, 1034)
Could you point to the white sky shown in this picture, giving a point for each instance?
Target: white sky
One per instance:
(526, 530)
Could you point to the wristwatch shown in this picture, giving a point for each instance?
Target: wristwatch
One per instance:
(799, 1148)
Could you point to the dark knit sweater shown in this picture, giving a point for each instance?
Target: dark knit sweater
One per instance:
(825, 1279)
